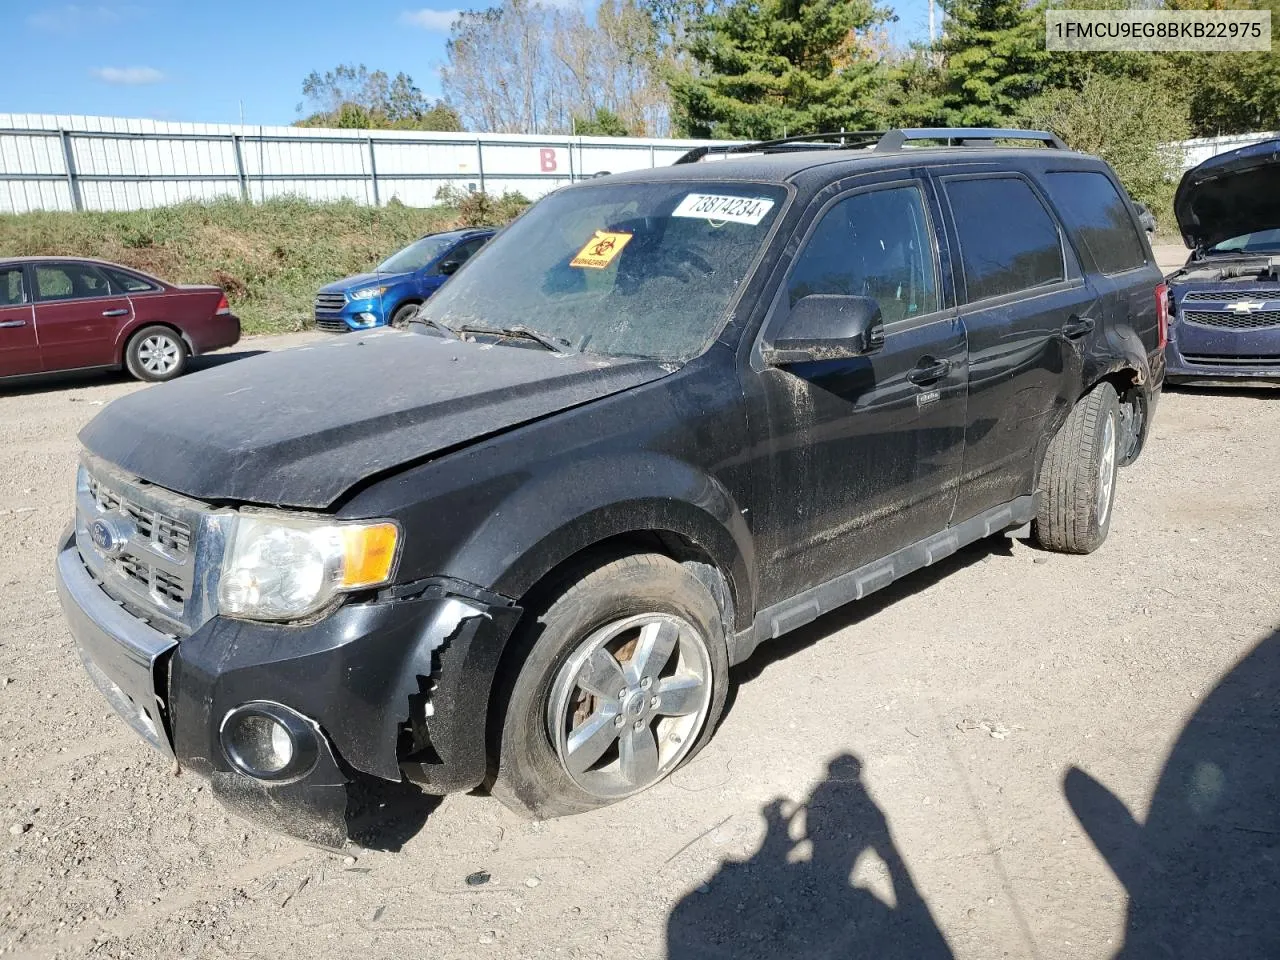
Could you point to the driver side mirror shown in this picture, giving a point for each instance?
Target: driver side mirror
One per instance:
(827, 326)
(449, 267)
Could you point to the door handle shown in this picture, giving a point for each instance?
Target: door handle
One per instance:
(115, 313)
(1077, 327)
(13, 323)
(929, 372)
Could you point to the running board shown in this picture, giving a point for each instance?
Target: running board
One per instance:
(806, 607)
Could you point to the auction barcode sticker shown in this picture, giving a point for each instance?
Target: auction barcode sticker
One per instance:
(708, 206)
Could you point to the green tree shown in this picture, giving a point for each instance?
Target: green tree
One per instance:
(351, 97)
(994, 60)
(602, 123)
(1125, 121)
(770, 68)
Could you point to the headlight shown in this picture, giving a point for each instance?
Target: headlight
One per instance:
(367, 293)
(286, 568)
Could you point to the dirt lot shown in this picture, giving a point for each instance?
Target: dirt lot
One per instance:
(965, 695)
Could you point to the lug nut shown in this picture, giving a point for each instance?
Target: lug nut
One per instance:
(653, 702)
(619, 722)
(639, 724)
(622, 694)
(645, 683)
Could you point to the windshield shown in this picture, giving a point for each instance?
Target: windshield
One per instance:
(640, 269)
(416, 255)
(1262, 241)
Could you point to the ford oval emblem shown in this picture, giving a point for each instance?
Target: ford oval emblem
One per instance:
(107, 537)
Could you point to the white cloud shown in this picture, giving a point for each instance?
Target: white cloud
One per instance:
(439, 21)
(75, 16)
(128, 76)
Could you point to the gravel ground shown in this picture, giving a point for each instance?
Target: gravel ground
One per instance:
(914, 745)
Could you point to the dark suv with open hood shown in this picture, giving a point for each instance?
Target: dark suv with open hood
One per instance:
(1225, 315)
(662, 418)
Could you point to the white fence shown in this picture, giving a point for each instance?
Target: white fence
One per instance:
(103, 163)
(1198, 151)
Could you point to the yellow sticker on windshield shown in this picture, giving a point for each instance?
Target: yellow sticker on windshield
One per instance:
(600, 250)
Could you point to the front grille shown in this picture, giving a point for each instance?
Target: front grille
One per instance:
(332, 326)
(1223, 296)
(1217, 360)
(1233, 321)
(144, 546)
(330, 302)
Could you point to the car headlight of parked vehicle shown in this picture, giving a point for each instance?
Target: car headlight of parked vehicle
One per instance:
(368, 293)
(287, 568)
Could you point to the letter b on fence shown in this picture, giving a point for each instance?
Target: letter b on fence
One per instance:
(547, 155)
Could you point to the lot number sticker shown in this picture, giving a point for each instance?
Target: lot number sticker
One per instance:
(600, 250)
(707, 206)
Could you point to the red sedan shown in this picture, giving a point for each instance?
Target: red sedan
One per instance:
(62, 313)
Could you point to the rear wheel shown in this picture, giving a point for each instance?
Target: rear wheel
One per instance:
(623, 681)
(156, 354)
(1078, 479)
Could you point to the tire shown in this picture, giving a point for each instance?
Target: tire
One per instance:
(632, 604)
(1078, 479)
(404, 313)
(156, 354)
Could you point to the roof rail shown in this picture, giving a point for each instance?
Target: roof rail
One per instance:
(886, 141)
(843, 138)
(968, 137)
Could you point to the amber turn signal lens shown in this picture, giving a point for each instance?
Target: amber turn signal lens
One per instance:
(369, 554)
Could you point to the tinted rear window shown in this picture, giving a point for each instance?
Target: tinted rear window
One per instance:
(1008, 241)
(1092, 206)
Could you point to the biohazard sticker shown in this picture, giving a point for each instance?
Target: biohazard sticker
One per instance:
(708, 206)
(600, 250)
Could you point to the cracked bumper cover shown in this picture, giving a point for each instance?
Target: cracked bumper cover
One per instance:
(354, 673)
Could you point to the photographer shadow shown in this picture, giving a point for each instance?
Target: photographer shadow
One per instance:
(778, 904)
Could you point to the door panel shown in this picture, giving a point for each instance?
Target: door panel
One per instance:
(77, 317)
(857, 458)
(1020, 367)
(19, 349)
(1028, 313)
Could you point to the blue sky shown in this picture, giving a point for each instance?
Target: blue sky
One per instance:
(201, 61)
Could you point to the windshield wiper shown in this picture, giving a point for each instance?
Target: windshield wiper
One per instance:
(548, 340)
(448, 331)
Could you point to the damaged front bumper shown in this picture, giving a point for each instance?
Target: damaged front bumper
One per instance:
(395, 686)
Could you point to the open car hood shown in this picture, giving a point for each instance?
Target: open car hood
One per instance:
(1234, 193)
(301, 427)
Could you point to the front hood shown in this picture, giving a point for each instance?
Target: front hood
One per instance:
(362, 280)
(301, 427)
(1234, 193)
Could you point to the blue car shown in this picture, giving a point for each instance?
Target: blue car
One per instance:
(392, 293)
(1225, 302)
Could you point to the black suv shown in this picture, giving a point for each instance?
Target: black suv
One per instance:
(662, 418)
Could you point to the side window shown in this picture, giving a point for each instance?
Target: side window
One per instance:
(122, 282)
(465, 251)
(1008, 240)
(1091, 205)
(11, 293)
(876, 244)
(66, 281)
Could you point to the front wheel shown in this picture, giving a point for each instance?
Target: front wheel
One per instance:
(624, 679)
(1078, 479)
(404, 313)
(156, 354)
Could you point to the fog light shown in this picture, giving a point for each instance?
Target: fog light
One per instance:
(268, 741)
(365, 319)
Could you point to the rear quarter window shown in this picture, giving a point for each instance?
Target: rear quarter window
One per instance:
(1094, 209)
(1009, 242)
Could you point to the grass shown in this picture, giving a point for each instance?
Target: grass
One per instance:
(270, 258)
